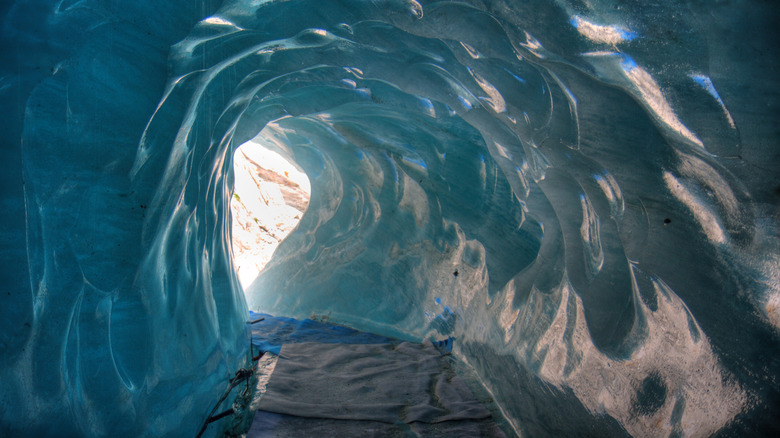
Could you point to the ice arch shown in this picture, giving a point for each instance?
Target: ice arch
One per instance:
(602, 178)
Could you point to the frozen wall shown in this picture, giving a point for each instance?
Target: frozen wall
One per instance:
(584, 195)
(120, 314)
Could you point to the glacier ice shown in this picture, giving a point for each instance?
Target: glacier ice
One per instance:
(584, 195)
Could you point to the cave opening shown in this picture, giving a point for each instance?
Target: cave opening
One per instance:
(270, 196)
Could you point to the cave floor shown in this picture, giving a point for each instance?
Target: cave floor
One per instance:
(320, 379)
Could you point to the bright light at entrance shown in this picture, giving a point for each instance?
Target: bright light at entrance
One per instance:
(269, 199)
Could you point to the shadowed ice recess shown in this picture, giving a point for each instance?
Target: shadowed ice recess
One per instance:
(584, 195)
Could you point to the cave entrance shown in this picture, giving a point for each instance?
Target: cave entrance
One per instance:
(270, 196)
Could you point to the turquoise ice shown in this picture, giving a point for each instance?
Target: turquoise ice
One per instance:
(583, 195)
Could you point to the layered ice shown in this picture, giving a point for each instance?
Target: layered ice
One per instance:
(584, 195)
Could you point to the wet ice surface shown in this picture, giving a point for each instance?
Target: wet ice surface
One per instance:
(274, 331)
(404, 382)
(339, 382)
(267, 424)
(584, 195)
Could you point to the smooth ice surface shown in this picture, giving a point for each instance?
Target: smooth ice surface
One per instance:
(404, 382)
(270, 334)
(583, 194)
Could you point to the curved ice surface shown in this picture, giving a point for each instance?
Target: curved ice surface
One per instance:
(583, 195)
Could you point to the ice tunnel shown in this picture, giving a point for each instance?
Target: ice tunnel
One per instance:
(584, 195)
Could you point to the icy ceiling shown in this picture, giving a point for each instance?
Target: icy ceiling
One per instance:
(583, 194)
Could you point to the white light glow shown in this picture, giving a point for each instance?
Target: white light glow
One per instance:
(269, 198)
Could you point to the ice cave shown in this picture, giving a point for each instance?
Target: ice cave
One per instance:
(579, 198)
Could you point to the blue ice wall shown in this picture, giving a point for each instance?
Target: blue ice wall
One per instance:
(583, 194)
(120, 314)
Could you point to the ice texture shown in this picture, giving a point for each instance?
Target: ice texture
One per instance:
(584, 195)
